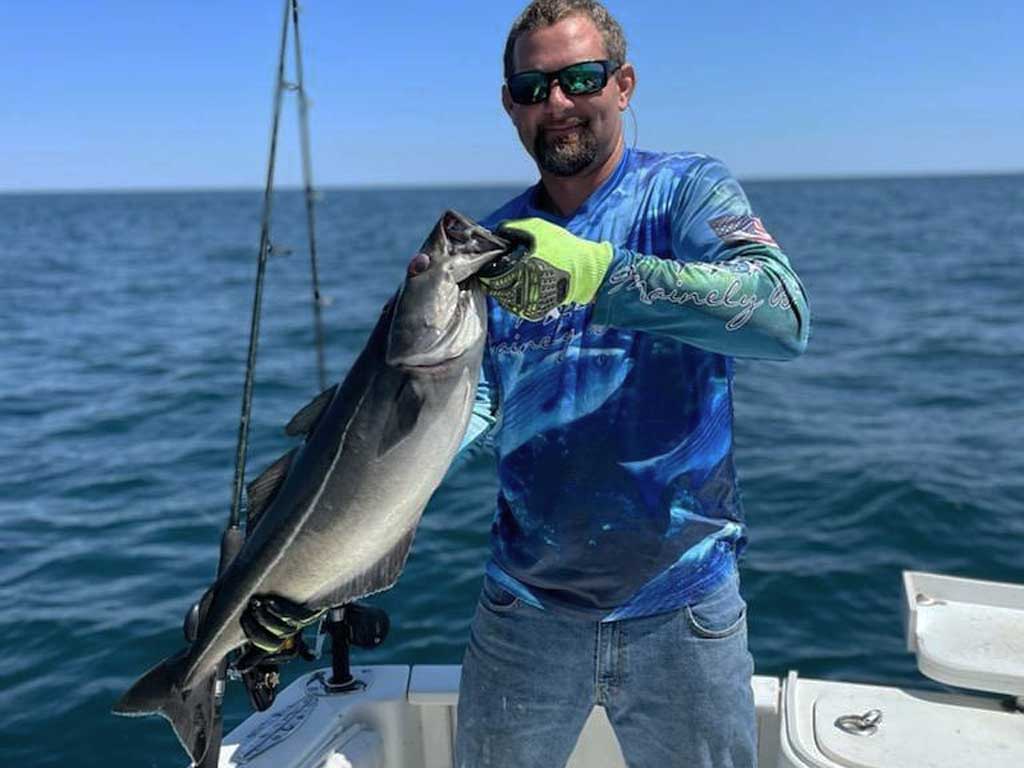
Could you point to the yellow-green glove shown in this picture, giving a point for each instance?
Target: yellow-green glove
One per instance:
(558, 269)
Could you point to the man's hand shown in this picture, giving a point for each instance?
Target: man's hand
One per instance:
(558, 269)
(271, 623)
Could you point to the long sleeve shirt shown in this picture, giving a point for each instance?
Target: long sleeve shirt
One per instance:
(612, 421)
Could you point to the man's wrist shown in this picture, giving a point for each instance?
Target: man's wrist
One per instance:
(591, 271)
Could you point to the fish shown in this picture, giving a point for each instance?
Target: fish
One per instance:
(333, 519)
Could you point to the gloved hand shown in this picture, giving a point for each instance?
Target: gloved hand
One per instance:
(558, 269)
(272, 623)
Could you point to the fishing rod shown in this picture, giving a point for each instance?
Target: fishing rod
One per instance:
(233, 537)
(291, 13)
(257, 304)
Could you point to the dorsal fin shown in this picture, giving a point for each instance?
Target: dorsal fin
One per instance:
(261, 491)
(304, 422)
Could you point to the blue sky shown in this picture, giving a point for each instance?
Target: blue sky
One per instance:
(118, 94)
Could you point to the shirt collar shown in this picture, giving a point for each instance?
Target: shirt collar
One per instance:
(590, 204)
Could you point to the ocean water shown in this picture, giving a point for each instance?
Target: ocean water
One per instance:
(894, 443)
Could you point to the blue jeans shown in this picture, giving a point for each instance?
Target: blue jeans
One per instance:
(676, 686)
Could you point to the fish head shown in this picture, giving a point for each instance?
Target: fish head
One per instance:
(440, 312)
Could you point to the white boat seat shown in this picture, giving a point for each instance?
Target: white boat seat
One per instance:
(966, 632)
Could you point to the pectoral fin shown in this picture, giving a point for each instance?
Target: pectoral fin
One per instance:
(405, 411)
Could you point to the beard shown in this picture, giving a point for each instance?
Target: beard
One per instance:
(567, 153)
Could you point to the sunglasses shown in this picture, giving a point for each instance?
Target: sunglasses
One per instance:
(534, 86)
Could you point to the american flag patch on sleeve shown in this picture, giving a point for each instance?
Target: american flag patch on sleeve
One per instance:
(741, 229)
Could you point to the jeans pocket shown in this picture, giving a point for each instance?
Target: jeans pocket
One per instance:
(721, 614)
(496, 598)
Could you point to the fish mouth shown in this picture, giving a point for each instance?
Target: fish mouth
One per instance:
(474, 246)
(449, 314)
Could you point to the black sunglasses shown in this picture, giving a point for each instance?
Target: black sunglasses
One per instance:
(534, 86)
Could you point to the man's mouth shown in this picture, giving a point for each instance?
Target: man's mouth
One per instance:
(563, 127)
(565, 146)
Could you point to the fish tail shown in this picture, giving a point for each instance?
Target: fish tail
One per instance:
(190, 711)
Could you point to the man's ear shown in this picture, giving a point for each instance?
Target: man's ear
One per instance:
(626, 78)
(506, 100)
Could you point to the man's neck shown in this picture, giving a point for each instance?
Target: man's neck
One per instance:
(565, 194)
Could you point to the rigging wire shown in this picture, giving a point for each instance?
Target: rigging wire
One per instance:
(307, 179)
(265, 248)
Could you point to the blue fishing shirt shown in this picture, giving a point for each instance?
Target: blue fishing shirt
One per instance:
(612, 422)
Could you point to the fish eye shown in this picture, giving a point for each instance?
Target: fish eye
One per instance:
(418, 264)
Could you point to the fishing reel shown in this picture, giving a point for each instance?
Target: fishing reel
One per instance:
(260, 673)
(356, 624)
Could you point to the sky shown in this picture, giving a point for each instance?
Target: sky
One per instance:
(111, 94)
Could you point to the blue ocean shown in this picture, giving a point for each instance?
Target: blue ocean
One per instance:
(894, 443)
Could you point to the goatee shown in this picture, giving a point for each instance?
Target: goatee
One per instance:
(567, 153)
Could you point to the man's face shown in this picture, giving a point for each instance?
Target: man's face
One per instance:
(568, 135)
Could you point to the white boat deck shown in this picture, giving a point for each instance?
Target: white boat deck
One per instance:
(964, 632)
(405, 718)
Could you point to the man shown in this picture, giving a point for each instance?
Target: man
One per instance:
(607, 390)
(613, 576)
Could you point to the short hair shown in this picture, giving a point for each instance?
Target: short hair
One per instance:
(544, 13)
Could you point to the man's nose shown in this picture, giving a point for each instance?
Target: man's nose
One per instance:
(556, 96)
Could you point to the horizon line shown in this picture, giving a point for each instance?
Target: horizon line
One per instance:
(427, 185)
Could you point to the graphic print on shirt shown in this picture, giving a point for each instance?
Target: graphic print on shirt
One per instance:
(618, 493)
